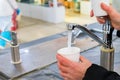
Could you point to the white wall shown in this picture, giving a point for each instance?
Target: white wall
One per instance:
(49, 14)
(85, 7)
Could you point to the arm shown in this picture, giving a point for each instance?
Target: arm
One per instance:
(83, 70)
(96, 72)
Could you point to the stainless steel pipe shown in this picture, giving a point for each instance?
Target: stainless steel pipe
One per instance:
(15, 49)
(107, 58)
(15, 55)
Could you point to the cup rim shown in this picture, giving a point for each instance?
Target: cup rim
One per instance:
(60, 50)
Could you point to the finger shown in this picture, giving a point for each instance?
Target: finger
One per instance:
(62, 60)
(107, 8)
(101, 20)
(59, 57)
(66, 76)
(91, 13)
(63, 68)
(83, 59)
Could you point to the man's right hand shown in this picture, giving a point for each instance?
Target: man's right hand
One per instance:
(113, 15)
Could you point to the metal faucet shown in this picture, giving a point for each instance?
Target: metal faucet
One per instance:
(15, 55)
(107, 50)
(71, 27)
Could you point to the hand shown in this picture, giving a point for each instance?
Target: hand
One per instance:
(112, 14)
(18, 11)
(70, 70)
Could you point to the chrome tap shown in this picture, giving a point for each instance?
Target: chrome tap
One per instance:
(107, 33)
(107, 50)
(85, 30)
(70, 28)
(107, 53)
(15, 55)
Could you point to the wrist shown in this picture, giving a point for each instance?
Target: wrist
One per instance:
(95, 72)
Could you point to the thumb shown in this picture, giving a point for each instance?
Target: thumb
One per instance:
(91, 13)
(83, 59)
(107, 8)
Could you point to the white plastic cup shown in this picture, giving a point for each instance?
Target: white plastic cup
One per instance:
(71, 53)
(96, 6)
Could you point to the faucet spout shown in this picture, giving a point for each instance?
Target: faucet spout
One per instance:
(107, 50)
(71, 26)
(89, 33)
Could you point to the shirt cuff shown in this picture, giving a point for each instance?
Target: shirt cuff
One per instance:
(95, 72)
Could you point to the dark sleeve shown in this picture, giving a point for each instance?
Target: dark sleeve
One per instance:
(96, 72)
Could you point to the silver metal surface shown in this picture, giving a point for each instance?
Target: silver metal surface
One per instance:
(15, 55)
(14, 39)
(71, 32)
(107, 53)
(71, 26)
(33, 57)
(93, 36)
(107, 34)
(107, 58)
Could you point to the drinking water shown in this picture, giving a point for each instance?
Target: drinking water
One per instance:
(69, 38)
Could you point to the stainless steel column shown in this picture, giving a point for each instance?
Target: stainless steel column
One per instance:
(15, 55)
(107, 58)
